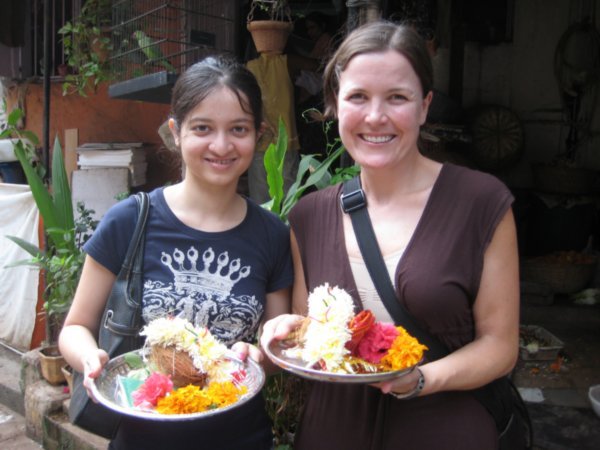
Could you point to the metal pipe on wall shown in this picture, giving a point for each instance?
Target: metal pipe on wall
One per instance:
(47, 70)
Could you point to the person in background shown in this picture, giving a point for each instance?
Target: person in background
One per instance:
(447, 235)
(307, 70)
(216, 120)
(317, 30)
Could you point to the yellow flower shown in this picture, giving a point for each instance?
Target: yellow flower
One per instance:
(193, 399)
(406, 351)
(223, 394)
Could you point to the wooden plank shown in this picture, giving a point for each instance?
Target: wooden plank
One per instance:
(71, 143)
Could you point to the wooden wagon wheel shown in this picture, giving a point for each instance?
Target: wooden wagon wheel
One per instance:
(497, 137)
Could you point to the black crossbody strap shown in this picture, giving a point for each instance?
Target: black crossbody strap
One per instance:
(354, 202)
(502, 406)
(123, 310)
(137, 240)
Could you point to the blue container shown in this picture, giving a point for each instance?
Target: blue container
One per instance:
(12, 172)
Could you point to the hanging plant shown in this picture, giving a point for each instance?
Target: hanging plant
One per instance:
(87, 46)
(270, 24)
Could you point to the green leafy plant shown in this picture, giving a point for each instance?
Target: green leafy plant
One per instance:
(62, 259)
(284, 392)
(284, 398)
(86, 45)
(312, 173)
(24, 141)
(278, 10)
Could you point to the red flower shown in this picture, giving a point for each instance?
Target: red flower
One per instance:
(358, 326)
(156, 386)
(376, 342)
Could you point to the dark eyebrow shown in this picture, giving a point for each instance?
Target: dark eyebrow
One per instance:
(241, 120)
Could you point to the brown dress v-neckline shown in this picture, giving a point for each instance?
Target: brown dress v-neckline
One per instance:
(411, 242)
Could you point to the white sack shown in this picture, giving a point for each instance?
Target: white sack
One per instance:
(19, 216)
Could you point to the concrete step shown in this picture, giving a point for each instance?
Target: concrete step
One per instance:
(11, 394)
(33, 411)
(12, 431)
(60, 434)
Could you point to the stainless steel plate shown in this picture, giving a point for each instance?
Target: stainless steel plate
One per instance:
(107, 391)
(275, 353)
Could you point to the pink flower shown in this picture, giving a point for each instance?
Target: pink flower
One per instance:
(156, 386)
(238, 377)
(376, 342)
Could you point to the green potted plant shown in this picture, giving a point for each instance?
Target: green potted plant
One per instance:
(312, 173)
(25, 140)
(62, 258)
(87, 44)
(270, 24)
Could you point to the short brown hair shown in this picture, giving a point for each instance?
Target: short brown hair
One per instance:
(375, 37)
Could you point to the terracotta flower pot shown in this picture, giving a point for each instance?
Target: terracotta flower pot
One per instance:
(269, 36)
(51, 362)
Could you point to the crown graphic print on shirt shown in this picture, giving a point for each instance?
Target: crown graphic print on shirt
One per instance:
(202, 292)
(213, 283)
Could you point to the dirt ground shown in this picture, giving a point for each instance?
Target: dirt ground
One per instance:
(556, 390)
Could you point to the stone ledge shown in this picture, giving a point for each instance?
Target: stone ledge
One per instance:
(45, 409)
(41, 399)
(11, 394)
(60, 434)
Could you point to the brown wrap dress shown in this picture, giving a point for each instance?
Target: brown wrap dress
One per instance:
(437, 279)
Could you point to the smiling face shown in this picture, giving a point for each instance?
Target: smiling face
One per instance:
(380, 108)
(217, 139)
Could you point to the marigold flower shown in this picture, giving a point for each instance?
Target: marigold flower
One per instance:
(193, 399)
(406, 351)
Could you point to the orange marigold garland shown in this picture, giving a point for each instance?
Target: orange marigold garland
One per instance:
(193, 399)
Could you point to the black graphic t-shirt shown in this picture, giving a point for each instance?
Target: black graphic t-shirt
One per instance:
(218, 280)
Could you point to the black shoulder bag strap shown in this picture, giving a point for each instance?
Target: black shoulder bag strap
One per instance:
(354, 202)
(122, 316)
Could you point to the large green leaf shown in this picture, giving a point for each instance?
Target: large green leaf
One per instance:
(56, 209)
(61, 190)
(274, 160)
(319, 177)
(14, 116)
(315, 172)
(33, 250)
(42, 197)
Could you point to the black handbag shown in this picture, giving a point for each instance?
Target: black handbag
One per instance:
(119, 329)
(500, 397)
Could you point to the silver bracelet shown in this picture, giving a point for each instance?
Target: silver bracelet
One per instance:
(411, 394)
